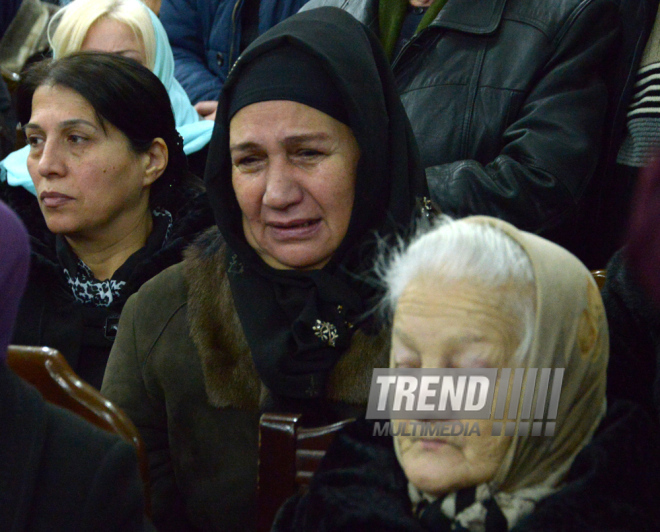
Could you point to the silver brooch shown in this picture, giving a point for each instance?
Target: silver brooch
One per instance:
(327, 332)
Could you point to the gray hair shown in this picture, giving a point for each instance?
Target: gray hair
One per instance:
(455, 251)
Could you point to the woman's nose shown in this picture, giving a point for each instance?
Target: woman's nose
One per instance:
(51, 160)
(283, 188)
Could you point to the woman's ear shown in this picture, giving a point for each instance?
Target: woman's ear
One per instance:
(157, 158)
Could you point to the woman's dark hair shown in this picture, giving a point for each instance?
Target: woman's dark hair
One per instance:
(123, 93)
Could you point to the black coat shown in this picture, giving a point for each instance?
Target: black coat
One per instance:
(613, 484)
(508, 100)
(49, 314)
(634, 325)
(606, 211)
(58, 472)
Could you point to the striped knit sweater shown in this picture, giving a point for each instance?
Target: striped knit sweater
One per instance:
(643, 139)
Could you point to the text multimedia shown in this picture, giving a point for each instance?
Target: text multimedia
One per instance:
(426, 428)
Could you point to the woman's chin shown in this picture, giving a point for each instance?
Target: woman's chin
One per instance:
(65, 226)
(296, 259)
(432, 464)
(61, 227)
(431, 485)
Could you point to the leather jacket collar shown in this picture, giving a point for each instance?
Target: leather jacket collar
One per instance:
(482, 18)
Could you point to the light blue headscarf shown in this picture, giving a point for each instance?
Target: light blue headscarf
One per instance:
(195, 131)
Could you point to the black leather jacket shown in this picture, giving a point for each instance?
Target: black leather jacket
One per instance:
(507, 99)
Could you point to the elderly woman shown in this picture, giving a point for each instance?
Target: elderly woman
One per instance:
(478, 293)
(97, 486)
(128, 28)
(113, 190)
(312, 155)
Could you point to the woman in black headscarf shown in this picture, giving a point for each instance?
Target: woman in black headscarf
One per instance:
(312, 156)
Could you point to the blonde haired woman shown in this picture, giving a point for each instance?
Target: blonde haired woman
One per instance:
(71, 26)
(128, 28)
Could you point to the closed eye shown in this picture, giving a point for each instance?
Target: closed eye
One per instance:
(406, 365)
(309, 153)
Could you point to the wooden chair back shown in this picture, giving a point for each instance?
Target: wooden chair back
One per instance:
(599, 276)
(48, 371)
(288, 457)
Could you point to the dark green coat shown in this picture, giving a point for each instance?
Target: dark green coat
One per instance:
(182, 371)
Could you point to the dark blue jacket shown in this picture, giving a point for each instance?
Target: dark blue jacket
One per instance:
(205, 36)
(8, 10)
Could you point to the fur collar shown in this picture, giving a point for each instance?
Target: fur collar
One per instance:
(229, 373)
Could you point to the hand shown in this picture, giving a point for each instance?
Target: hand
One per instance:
(207, 109)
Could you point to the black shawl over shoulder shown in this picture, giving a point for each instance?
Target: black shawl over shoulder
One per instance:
(612, 485)
(59, 473)
(279, 309)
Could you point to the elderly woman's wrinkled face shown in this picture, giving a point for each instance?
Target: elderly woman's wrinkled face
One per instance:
(114, 37)
(452, 325)
(293, 173)
(88, 179)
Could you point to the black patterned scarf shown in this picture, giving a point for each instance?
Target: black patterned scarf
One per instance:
(90, 291)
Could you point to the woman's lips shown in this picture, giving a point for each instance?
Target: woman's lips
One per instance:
(295, 230)
(431, 444)
(54, 199)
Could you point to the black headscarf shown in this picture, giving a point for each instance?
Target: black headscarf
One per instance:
(298, 323)
(287, 73)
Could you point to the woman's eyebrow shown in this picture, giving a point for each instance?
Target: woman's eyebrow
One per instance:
(64, 124)
(470, 338)
(243, 146)
(291, 140)
(306, 137)
(31, 125)
(459, 340)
